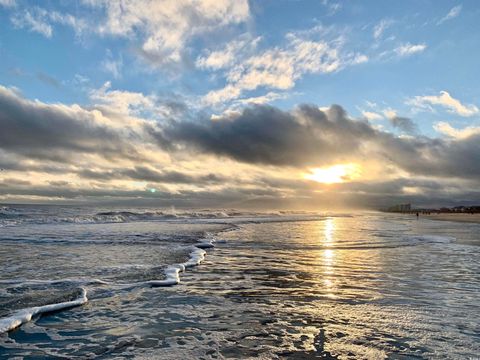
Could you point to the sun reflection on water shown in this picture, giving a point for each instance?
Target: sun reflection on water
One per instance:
(328, 255)
(329, 230)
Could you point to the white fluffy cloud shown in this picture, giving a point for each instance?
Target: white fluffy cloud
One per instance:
(447, 129)
(444, 100)
(370, 115)
(223, 58)
(124, 102)
(409, 49)
(280, 67)
(163, 28)
(166, 26)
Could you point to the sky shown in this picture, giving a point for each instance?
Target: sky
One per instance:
(318, 104)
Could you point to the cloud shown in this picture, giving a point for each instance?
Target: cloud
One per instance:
(409, 49)
(266, 135)
(123, 102)
(359, 59)
(257, 153)
(380, 28)
(223, 58)
(332, 7)
(160, 31)
(55, 131)
(112, 66)
(40, 20)
(78, 25)
(308, 136)
(147, 174)
(446, 129)
(35, 21)
(404, 124)
(47, 79)
(15, 182)
(8, 3)
(166, 27)
(433, 157)
(370, 115)
(134, 108)
(280, 67)
(419, 191)
(453, 13)
(444, 100)
(263, 99)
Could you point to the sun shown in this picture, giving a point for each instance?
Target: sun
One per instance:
(334, 174)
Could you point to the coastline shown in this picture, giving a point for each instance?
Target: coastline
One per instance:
(459, 217)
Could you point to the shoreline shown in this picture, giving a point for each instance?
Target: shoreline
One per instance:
(460, 217)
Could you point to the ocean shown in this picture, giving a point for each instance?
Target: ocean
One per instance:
(142, 283)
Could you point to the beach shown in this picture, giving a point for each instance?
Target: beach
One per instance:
(459, 217)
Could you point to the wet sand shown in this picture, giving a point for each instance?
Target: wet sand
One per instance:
(474, 218)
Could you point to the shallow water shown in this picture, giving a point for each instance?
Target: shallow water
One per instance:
(350, 286)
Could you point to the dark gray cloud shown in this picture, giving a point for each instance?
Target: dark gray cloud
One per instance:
(227, 196)
(308, 136)
(13, 162)
(449, 158)
(421, 192)
(143, 173)
(38, 130)
(267, 135)
(15, 182)
(363, 195)
(404, 124)
(59, 183)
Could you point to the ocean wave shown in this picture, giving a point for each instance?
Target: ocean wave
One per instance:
(169, 214)
(14, 217)
(7, 212)
(25, 315)
(172, 277)
(77, 281)
(172, 272)
(432, 239)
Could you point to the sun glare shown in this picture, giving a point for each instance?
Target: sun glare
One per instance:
(334, 174)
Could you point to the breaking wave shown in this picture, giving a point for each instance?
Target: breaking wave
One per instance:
(172, 277)
(25, 315)
(11, 216)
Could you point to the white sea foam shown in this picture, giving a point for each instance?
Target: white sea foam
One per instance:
(25, 315)
(206, 243)
(196, 257)
(172, 272)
